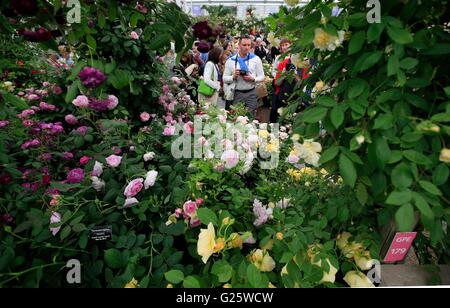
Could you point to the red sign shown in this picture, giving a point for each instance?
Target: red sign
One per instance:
(400, 246)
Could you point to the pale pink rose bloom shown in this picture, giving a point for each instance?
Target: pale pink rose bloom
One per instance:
(166, 89)
(133, 188)
(169, 131)
(230, 158)
(71, 119)
(55, 218)
(81, 101)
(145, 116)
(45, 84)
(222, 118)
(114, 160)
(293, 159)
(130, 201)
(134, 35)
(189, 128)
(195, 222)
(113, 101)
(190, 208)
(149, 156)
(176, 80)
(98, 169)
(150, 178)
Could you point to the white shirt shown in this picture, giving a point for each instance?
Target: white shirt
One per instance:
(211, 71)
(254, 66)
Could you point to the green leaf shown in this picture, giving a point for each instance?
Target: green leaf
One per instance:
(119, 79)
(14, 100)
(325, 101)
(374, 32)
(254, 276)
(411, 137)
(405, 217)
(191, 282)
(399, 197)
(408, 63)
(379, 151)
(347, 170)
(91, 42)
(222, 270)
(416, 157)
(357, 88)
(438, 49)
(423, 206)
(401, 176)
(314, 114)
(65, 232)
(174, 276)
(159, 41)
(399, 35)
(337, 116)
(356, 42)
(384, 121)
(441, 117)
(361, 193)
(431, 188)
(113, 258)
(392, 65)
(79, 227)
(329, 154)
(447, 92)
(440, 174)
(206, 216)
(366, 61)
(72, 92)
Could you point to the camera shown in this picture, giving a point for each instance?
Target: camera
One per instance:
(243, 73)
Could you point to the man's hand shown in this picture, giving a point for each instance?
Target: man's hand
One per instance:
(236, 74)
(248, 78)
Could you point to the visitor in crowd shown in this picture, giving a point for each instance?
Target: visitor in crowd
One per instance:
(203, 48)
(64, 56)
(244, 70)
(283, 88)
(228, 46)
(212, 76)
(260, 51)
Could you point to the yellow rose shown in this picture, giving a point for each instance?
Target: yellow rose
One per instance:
(445, 155)
(220, 244)
(227, 286)
(357, 280)
(235, 241)
(329, 276)
(263, 261)
(295, 137)
(263, 133)
(364, 260)
(321, 39)
(268, 246)
(206, 242)
(342, 240)
(319, 85)
(169, 286)
(351, 249)
(132, 284)
(295, 174)
(279, 236)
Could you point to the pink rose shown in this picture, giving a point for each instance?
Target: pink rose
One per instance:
(98, 169)
(293, 159)
(84, 160)
(134, 35)
(57, 90)
(190, 209)
(178, 212)
(71, 119)
(133, 188)
(55, 218)
(130, 201)
(166, 89)
(45, 84)
(75, 176)
(113, 101)
(199, 201)
(114, 160)
(169, 131)
(195, 222)
(230, 158)
(189, 127)
(81, 101)
(67, 156)
(145, 116)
